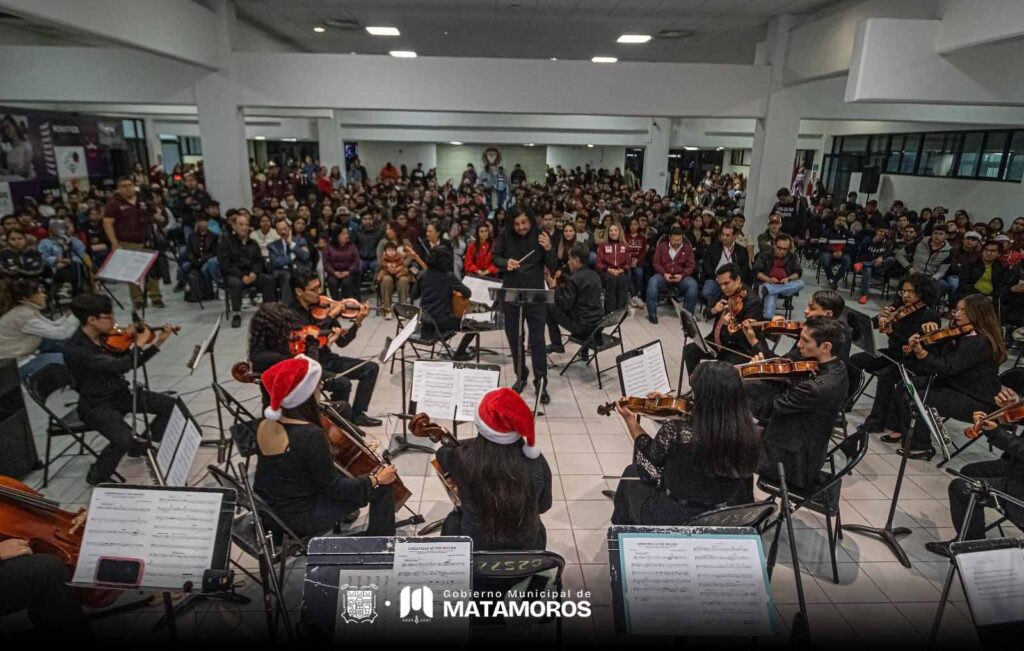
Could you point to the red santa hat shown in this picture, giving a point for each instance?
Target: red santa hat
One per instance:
(290, 383)
(503, 417)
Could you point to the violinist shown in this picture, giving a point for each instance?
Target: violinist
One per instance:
(503, 481)
(824, 302)
(296, 474)
(912, 313)
(737, 304)
(800, 417)
(37, 583)
(306, 290)
(104, 396)
(966, 372)
(1005, 474)
(694, 463)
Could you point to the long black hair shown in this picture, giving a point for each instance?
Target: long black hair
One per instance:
(496, 485)
(923, 285)
(725, 444)
(270, 327)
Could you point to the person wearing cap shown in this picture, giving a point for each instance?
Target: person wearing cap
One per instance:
(766, 240)
(296, 474)
(793, 213)
(933, 258)
(503, 481)
(986, 275)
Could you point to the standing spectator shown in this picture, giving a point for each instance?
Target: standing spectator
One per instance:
(128, 223)
(342, 266)
(673, 265)
(779, 272)
(792, 211)
(518, 176)
(242, 266)
(501, 187)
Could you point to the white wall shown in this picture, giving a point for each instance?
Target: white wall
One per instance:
(452, 159)
(983, 200)
(374, 155)
(729, 168)
(570, 157)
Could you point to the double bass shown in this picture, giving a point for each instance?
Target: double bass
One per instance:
(421, 425)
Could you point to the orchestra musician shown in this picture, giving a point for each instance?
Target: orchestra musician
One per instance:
(503, 480)
(296, 474)
(912, 313)
(306, 291)
(578, 306)
(801, 416)
(738, 303)
(38, 584)
(437, 284)
(965, 370)
(524, 252)
(695, 463)
(104, 396)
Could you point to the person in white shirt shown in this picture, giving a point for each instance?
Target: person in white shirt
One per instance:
(264, 235)
(28, 336)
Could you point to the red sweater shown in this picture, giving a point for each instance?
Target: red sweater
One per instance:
(613, 255)
(479, 258)
(637, 248)
(683, 263)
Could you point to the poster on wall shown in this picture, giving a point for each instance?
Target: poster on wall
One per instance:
(71, 163)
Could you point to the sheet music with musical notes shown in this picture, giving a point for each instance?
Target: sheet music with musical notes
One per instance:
(439, 565)
(643, 370)
(695, 585)
(478, 289)
(171, 440)
(473, 383)
(186, 455)
(993, 581)
(123, 265)
(444, 390)
(172, 532)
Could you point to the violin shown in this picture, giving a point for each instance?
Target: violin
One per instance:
(421, 425)
(771, 327)
(655, 406)
(1011, 413)
(943, 334)
(121, 338)
(899, 313)
(297, 338)
(346, 308)
(27, 515)
(776, 369)
(736, 302)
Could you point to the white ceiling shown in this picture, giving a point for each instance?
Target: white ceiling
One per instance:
(725, 31)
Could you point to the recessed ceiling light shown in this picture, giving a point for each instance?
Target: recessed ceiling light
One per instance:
(529, 144)
(403, 54)
(690, 148)
(634, 38)
(456, 143)
(719, 148)
(259, 137)
(591, 146)
(289, 139)
(319, 30)
(554, 58)
(604, 59)
(383, 31)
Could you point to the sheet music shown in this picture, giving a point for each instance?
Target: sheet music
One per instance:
(439, 565)
(206, 343)
(993, 581)
(711, 585)
(478, 288)
(482, 317)
(403, 336)
(169, 444)
(644, 373)
(127, 266)
(442, 390)
(472, 384)
(172, 532)
(186, 456)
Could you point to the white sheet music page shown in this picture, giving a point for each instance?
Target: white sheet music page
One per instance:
(127, 266)
(403, 336)
(654, 357)
(473, 384)
(172, 532)
(993, 581)
(169, 444)
(478, 289)
(695, 585)
(428, 569)
(644, 373)
(186, 456)
(434, 388)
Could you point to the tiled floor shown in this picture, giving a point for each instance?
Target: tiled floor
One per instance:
(876, 600)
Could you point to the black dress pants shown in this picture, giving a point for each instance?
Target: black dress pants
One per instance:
(1002, 474)
(107, 418)
(535, 316)
(326, 512)
(556, 318)
(886, 381)
(347, 287)
(341, 387)
(263, 283)
(37, 583)
(945, 399)
(616, 291)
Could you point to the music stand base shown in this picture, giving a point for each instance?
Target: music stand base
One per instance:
(887, 536)
(400, 445)
(191, 601)
(431, 528)
(415, 518)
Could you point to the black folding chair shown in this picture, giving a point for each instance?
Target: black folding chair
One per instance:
(495, 571)
(424, 342)
(595, 345)
(45, 382)
(241, 431)
(863, 333)
(1013, 378)
(756, 515)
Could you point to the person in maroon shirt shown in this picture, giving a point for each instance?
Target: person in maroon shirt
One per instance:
(674, 264)
(128, 223)
(779, 272)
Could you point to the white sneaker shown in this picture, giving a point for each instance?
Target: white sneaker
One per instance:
(387, 316)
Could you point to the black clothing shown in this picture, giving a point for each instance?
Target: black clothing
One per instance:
(24, 264)
(436, 289)
(736, 341)
(1005, 474)
(794, 217)
(98, 373)
(972, 273)
(465, 521)
(239, 258)
(764, 261)
(37, 583)
(740, 258)
(672, 488)
(201, 247)
(800, 421)
(190, 204)
(577, 306)
(303, 486)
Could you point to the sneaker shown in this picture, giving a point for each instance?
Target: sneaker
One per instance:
(857, 266)
(387, 316)
(863, 299)
(637, 302)
(236, 321)
(653, 318)
(158, 303)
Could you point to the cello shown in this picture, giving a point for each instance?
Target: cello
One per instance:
(421, 425)
(27, 515)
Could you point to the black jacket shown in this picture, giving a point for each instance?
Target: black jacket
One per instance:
(436, 289)
(902, 329)
(26, 264)
(202, 249)
(763, 263)
(970, 274)
(580, 296)
(965, 364)
(238, 258)
(752, 309)
(740, 257)
(530, 275)
(800, 421)
(98, 373)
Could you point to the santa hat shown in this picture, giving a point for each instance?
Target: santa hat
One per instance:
(289, 383)
(503, 417)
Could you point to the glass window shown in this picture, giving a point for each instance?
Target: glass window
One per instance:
(1015, 158)
(837, 145)
(892, 165)
(992, 154)
(129, 128)
(911, 145)
(937, 154)
(855, 144)
(879, 145)
(970, 153)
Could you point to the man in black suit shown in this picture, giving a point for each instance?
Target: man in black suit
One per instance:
(724, 251)
(724, 345)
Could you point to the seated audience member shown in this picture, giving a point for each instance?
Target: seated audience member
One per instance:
(296, 474)
(578, 306)
(96, 242)
(201, 267)
(479, 261)
(874, 254)
(264, 234)
(766, 240)
(674, 264)
(26, 335)
(437, 284)
(987, 276)
(722, 252)
(613, 264)
(933, 257)
(241, 264)
(342, 266)
(695, 463)
(636, 240)
(904, 245)
(779, 271)
(287, 255)
(64, 255)
(503, 481)
(20, 259)
(393, 273)
(836, 246)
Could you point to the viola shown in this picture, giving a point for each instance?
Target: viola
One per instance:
(121, 338)
(1011, 413)
(421, 425)
(736, 302)
(771, 327)
(898, 314)
(775, 369)
(27, 515)
(655, 407)
(943, 334)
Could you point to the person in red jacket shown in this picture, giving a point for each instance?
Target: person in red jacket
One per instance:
(478, 254)
(636, 240)
(614, 263)
(673, 265)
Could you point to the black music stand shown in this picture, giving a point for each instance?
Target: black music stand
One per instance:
(520, 297)
(690, 331)
(207, 348)
(401, 441)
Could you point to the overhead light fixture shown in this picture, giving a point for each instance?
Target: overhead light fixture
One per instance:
(604, 59)
(634, 38)
(529, 144)
(691, 148)
(554, 58)
(383, 31)
(403, 54)
(319, 30)
(591, 146)
(719, 148)
(456, 143)
(259, 137)
(289, 139)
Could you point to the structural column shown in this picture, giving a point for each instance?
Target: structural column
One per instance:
(153, 142)
(331, 145)
(655, 174)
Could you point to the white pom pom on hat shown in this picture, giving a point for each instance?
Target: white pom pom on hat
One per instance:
(289, 383)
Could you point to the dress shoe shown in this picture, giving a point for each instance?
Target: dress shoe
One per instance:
(137, 449)
(351, 517)
(653, 318)
(463, 357)
(366, 421)
(519, 385)
(552, 348)
(94, 479)
(236, 321)
(541, 386)
(940, 547)
(925, 454)
(610, 494)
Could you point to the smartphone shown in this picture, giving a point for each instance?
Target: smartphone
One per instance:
(112, 570)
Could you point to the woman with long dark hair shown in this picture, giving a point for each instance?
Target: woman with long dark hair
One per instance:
(502, 479)
(693, 464)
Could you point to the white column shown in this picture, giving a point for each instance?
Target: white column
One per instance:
(331, 145)
(775, 135)
(153, 142)
(656, 156)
